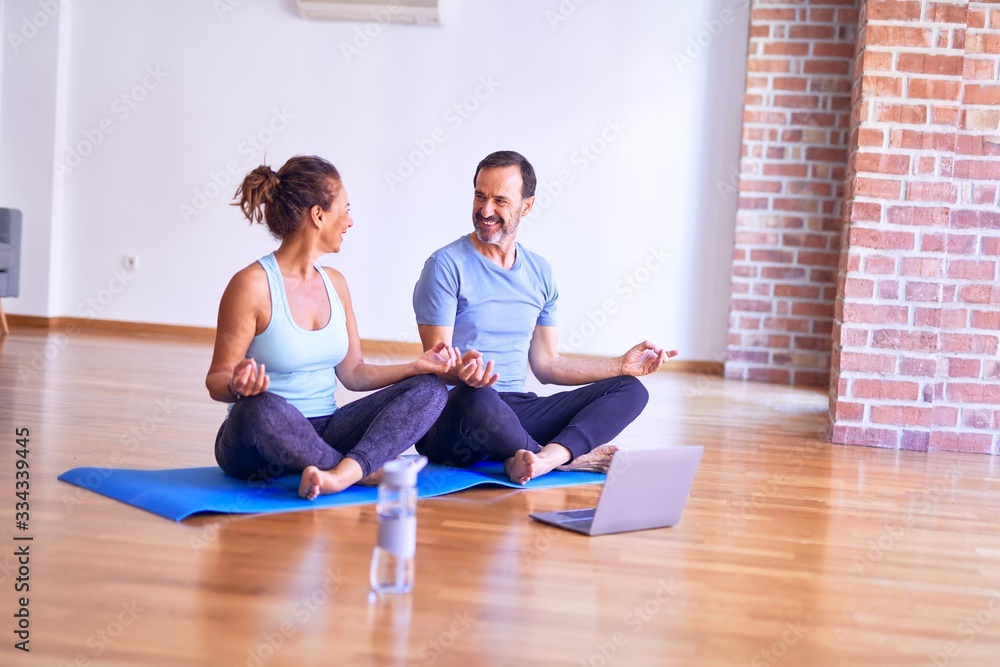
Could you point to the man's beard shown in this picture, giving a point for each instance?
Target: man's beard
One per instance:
(498, 233)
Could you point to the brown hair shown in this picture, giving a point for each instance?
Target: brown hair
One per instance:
(510, 159)
(281, 200)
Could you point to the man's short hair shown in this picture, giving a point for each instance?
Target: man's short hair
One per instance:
(511, 159)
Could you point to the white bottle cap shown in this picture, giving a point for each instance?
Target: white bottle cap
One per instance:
(403, 471)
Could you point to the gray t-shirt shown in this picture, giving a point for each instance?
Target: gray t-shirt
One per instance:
(492, 309)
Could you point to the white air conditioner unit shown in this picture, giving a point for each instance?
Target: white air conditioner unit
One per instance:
(415, 12)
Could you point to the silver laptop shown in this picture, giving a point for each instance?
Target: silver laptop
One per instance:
(645, 488)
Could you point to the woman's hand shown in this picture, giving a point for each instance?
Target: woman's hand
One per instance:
(439, 359)
(248, 379)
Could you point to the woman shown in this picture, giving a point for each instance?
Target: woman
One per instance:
(287, 333)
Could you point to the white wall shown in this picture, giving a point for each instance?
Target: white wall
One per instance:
(32, 113)
(164, 97)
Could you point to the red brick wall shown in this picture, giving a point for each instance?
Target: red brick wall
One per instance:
(795, 131)
(915, 341)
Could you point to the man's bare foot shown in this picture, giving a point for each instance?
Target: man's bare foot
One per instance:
(521, 467)
(597, 460)
(525, 465)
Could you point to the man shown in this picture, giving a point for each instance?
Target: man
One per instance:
(489, 296)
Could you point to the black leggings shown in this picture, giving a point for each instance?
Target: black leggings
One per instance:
(483, 424)
(265, 437)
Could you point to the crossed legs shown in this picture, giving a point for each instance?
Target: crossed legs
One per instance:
(483, 424)
(265, 437)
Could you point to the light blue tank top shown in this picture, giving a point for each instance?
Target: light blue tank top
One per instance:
(300, 363)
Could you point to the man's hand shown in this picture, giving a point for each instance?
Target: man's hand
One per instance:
(439, 359)
(644, 358)
(474, 373)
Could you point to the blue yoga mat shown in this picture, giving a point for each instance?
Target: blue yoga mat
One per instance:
(180, 493)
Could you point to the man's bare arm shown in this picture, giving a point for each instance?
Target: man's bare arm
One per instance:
(550, 367)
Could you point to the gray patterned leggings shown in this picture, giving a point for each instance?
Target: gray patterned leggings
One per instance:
(265, 437)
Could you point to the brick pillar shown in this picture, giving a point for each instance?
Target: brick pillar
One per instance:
(915, 340)
(794, 155)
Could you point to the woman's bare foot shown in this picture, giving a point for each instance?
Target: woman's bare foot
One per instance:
(597, 460)
(316, 482)
(373, 479)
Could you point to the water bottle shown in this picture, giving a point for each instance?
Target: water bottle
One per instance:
(392, 559)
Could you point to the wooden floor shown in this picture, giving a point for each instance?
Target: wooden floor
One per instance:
(791, 551)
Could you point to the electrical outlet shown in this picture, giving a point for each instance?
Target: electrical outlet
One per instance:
(130, 262)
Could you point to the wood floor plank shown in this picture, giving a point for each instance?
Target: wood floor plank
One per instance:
(791, 551)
